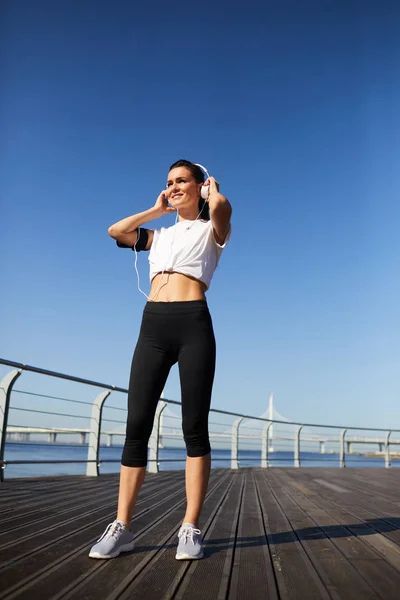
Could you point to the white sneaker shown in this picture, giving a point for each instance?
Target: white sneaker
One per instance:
(190, 546)
(117, 538)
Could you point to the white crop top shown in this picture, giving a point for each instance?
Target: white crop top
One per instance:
(188, 247)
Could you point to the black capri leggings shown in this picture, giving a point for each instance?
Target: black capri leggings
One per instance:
(171, 332)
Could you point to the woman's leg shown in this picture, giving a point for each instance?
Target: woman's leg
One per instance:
(150, 368)
(196, 368)
(197, 477)
(130, 482)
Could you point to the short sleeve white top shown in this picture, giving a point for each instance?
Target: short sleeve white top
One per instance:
(188, 247)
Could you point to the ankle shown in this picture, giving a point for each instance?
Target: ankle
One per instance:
(191, 522)
(122, 520)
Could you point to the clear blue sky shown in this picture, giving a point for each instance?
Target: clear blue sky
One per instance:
(293, 107)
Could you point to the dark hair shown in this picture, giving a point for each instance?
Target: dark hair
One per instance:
(198, 175)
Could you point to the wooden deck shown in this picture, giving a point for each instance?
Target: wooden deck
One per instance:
(276, 533)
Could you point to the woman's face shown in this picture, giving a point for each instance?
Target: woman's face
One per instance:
(182, 188)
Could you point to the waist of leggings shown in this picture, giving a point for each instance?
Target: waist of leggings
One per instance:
(176, 308)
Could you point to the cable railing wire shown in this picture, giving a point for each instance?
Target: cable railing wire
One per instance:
(47, 412)
(107, 406)
(52, 397)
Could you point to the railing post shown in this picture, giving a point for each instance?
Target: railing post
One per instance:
(297, 460)
(342, 458)
(92, 468)
(387, 451)
(6, 385)
(264, 445)
(235, 443)
(154, 441)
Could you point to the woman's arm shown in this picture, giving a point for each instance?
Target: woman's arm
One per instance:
(220, 211)
(126, 230)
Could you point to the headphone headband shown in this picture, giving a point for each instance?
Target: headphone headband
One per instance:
(203, 169)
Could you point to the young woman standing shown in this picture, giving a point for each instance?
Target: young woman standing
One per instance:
(176, 328)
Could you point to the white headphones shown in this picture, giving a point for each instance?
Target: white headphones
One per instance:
(205, 189)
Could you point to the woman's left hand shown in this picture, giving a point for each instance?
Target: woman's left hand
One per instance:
(214, 186)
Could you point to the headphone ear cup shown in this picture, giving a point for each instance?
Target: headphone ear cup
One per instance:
(204, 191)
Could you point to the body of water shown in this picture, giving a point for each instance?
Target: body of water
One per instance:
(174, 459)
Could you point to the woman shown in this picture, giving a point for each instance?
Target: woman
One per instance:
(176, 328)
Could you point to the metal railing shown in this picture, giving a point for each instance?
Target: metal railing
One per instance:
(232, 435)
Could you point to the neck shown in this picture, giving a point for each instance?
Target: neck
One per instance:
(189, 214)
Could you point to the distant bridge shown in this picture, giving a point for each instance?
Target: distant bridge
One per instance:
(23, 434)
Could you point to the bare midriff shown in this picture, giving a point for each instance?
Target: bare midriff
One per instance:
(175, 287)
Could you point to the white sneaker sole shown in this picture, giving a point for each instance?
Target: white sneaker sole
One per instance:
(188, 557)
(124, 548)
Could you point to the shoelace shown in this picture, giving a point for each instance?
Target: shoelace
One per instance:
(111, 530)
(188, 532)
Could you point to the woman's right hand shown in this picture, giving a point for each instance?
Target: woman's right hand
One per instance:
(125, 231)
(162, 204)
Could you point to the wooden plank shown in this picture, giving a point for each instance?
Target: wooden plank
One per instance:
(53, 529)
(22, 489)
(32, 520)
(56, 490)
(36, 561)
(352, 548)
(14, 504)
(332, 486)
(371, 530)
(253, 570)
(381, 485)
(209, 578)
(55, 521)
(379, 515)
(27, 518)
(338, 574)
(294, 572)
